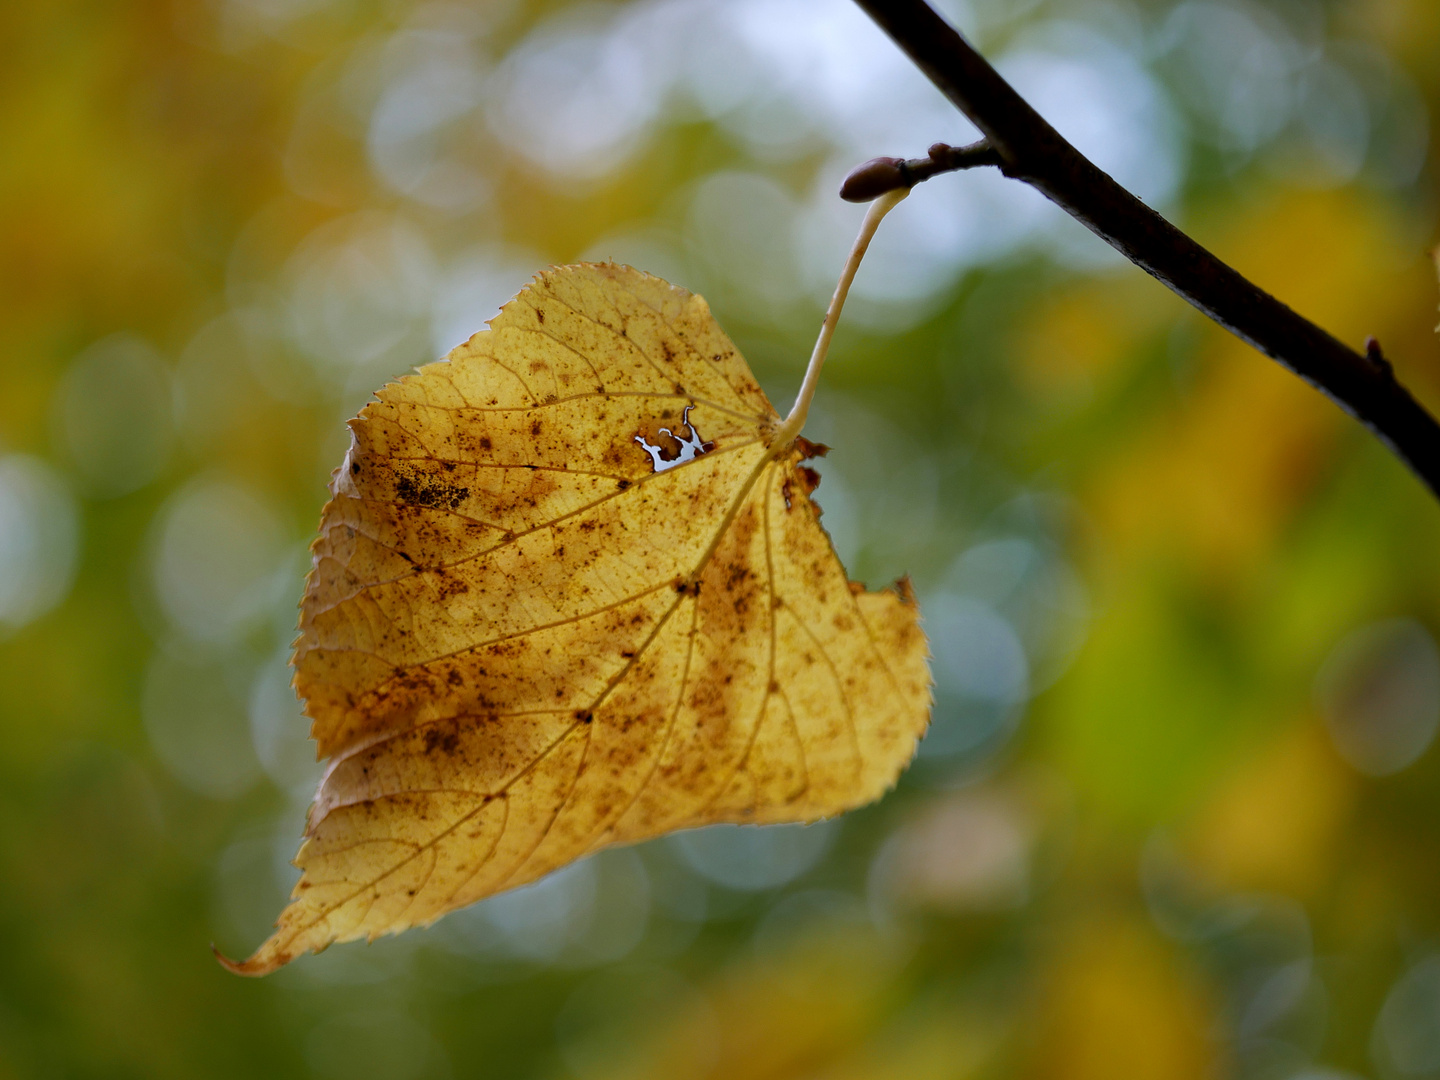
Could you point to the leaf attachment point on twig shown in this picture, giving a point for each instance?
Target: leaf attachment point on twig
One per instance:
(880, 175)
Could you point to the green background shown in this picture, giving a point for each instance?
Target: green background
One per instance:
(1177, 816)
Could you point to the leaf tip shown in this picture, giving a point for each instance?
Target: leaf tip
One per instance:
(905, 589)
(252, 968)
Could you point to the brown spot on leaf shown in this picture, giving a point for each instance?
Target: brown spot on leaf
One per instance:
(809, 450)
(419, 488)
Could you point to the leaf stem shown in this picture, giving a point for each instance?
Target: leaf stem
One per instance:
(790, 427)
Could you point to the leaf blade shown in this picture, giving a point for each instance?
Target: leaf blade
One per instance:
(521, 642)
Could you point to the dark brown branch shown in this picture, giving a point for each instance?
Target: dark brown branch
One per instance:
(1029, 149)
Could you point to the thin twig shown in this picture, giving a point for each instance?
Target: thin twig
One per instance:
(879, 175)
(1029, 149)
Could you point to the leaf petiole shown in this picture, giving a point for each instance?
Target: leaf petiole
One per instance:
(790, 427)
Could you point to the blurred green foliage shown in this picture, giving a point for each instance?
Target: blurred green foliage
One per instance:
(1178, 812)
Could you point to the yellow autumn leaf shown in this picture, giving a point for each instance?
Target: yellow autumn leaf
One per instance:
(571, 591)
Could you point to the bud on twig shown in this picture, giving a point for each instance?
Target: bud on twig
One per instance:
(882, 174)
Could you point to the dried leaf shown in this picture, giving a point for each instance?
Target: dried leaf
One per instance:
(567, 594)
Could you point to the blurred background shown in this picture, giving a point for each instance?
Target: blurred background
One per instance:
(1179, 811)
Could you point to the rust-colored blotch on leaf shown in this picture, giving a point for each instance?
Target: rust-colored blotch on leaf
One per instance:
(568, 594)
